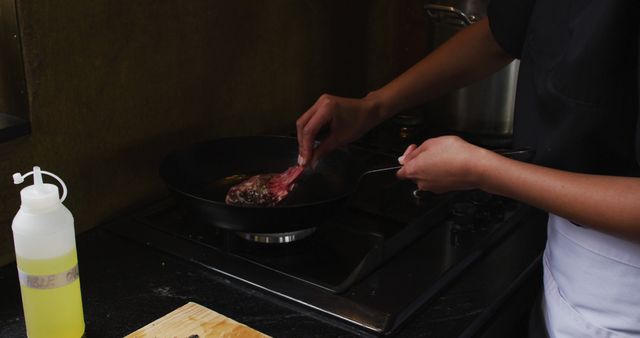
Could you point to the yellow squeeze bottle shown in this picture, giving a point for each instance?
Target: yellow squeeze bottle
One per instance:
(44, 240)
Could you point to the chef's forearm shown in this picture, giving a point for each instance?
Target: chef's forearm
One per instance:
(468, 56)
(607, 203)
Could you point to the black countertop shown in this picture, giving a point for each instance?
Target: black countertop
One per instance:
(125, 286)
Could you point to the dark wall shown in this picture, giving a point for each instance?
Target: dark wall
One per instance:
(113, 85)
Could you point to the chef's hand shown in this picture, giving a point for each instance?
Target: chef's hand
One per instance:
(443, 164)
(346, 119)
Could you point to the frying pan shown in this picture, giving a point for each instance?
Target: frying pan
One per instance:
(201, 175)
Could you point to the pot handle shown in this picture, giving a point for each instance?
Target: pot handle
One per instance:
(449, 14)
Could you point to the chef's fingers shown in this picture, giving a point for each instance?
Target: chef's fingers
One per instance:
(412, 169)
(415, 151)
(326, 146)
(409, 168)
(301, 123)
(310, 130)
(406, 172)
(409, 149)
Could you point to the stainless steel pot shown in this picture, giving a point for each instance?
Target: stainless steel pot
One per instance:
(484, 108)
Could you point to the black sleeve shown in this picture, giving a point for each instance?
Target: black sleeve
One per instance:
(508, 20)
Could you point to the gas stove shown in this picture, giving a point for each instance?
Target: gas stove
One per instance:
(371, 265)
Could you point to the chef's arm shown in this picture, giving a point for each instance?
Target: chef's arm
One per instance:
(607, 203)
(468, 56)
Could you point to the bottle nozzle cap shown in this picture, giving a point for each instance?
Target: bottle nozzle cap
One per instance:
(18, 178)
(40, 196)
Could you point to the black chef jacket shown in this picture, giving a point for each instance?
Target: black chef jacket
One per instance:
(577, 94)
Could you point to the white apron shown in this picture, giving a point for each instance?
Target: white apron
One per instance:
(591, 281)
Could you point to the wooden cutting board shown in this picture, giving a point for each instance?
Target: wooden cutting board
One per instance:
(194, 321)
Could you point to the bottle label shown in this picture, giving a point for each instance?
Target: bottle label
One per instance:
(44, 282)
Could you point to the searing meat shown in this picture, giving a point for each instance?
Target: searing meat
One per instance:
(264, 190)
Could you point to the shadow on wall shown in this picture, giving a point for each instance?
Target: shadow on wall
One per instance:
(113, 85)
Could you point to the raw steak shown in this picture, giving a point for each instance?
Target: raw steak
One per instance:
(264, 190)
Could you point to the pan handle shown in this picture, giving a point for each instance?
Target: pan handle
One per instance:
(372, 172)
(448, 14)
(523, 154)
(380, 170)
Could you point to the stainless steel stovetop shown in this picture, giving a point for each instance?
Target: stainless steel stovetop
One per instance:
(372, 265)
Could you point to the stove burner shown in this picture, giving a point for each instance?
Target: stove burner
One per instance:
(278, 237)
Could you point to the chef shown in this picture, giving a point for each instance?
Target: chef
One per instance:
(576, 105)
